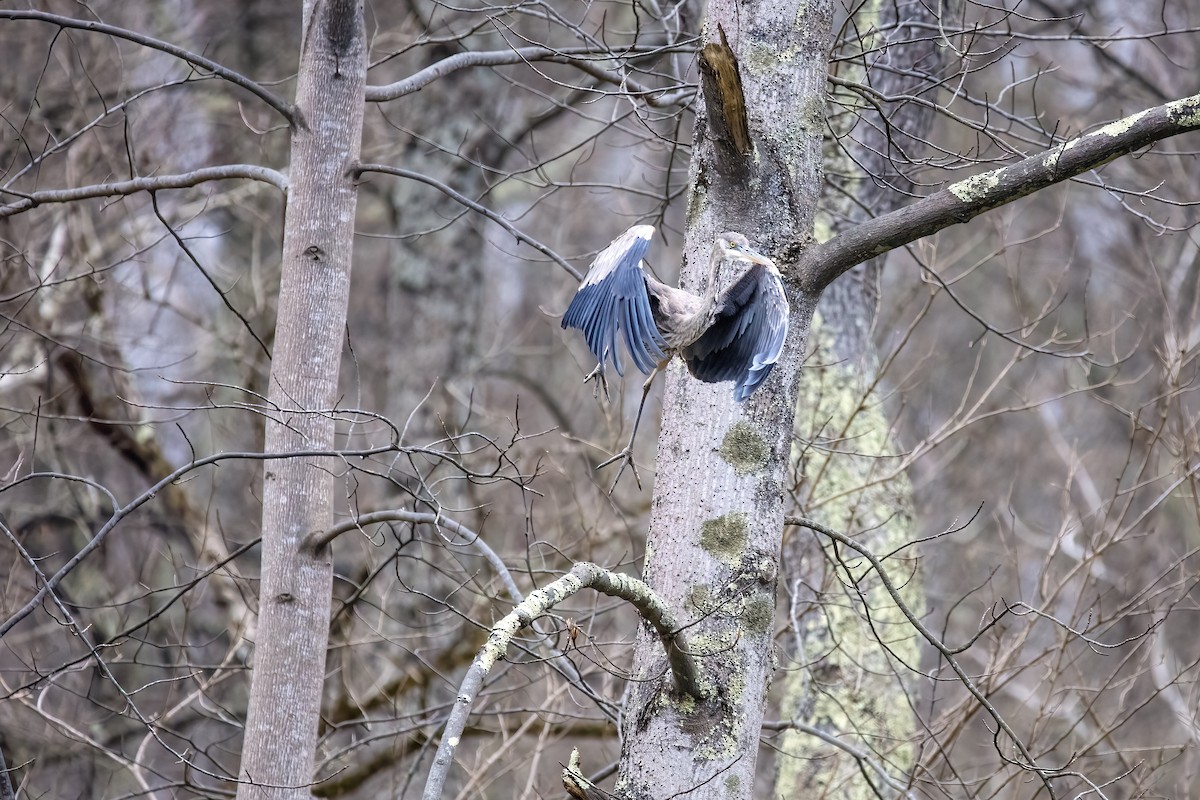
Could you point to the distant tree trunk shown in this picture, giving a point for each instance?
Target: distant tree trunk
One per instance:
(838, 668)
(717, 517)
(296, 587)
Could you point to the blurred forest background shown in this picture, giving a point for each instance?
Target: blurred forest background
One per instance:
(1027, 395)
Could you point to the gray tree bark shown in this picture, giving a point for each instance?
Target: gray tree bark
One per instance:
(712, 550)
(296, 587)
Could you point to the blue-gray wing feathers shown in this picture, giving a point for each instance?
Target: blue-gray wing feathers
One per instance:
(612, 300)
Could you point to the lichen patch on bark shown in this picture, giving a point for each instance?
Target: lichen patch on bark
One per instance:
(725, 537)
(757, 614)
(743, 449)
(1186, 111)
(700, 599)
(976, 186)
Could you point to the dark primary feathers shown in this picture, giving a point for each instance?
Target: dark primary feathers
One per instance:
(746, 335)
(734, 335)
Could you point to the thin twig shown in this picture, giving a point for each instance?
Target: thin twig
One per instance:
(577, 57)
(471, 204)
(1046, 774)
(319, 540)
(121, 512)
(6, 788)
(858, 754)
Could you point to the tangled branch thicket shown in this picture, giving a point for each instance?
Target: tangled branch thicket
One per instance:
(1013, 399)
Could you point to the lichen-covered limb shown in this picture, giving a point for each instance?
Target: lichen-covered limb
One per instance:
(582, 575)
(863, 634)
(969, 198)
(652, 609)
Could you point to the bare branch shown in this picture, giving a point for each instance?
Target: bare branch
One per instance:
(863, 757)
(196, 60)
(6, 789)
(967, 199)
(187, 251)
(584, 574)
(149, 184)
(121, 512)
(1046, 774)
(522, 55)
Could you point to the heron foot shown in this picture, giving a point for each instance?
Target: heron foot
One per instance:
(626, 459)
(601, 380)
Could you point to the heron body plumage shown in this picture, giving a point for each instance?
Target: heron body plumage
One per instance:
(735, 334)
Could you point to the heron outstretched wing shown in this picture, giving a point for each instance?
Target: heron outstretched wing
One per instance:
(612, 299)
(746, 336)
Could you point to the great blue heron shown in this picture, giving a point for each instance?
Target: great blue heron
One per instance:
(735, 334)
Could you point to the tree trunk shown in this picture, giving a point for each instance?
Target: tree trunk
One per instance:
(717, 517)
(294, 597)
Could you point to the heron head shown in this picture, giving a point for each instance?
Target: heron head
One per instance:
(735, 247)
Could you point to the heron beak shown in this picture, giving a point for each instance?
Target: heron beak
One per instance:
(754, 257)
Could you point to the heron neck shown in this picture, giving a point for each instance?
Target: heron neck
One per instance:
(710, 289)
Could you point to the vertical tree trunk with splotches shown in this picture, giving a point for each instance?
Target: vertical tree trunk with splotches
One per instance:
(296, 587)
(717, 512)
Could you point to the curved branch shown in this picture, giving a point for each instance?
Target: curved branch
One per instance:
(966, 199)
(651, 608)
(196, 60)
(149, 184)
(471, 204)
(319, 540)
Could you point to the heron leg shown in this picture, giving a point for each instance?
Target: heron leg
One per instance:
(601, 381)
(626, 455)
